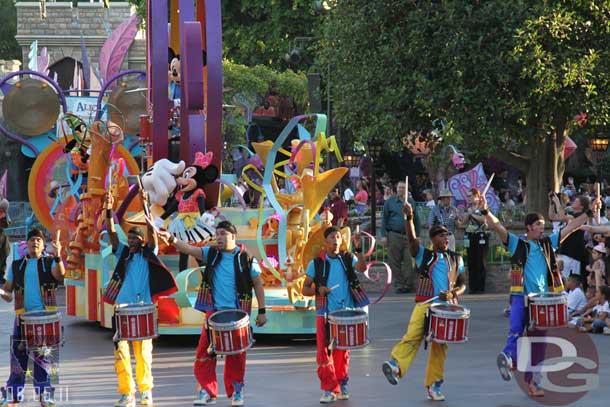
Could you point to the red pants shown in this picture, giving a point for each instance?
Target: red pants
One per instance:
(333, 368)
(205, 366)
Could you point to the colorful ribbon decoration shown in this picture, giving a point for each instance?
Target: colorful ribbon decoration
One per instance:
(375, 278)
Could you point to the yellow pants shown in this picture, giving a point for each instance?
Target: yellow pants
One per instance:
(142, 351)
(404, 352)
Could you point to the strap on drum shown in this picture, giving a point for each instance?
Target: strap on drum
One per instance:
(427, 328)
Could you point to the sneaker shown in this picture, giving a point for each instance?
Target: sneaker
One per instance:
(126, 400)
(505, 366)
(3, 398)
(204, 399)
(534, 389)
(328, 397)
(238, 394)
(344, 394)
(47, 402)
(146, 398)
(606, 331)
(391, 370)
(434, 392)
(506, 312)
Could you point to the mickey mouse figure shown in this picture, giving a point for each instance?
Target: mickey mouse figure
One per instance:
(189, 201)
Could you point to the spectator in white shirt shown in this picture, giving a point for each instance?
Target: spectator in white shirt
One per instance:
(599, 319)
(576, 298)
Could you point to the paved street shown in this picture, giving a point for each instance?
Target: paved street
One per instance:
(282, 372)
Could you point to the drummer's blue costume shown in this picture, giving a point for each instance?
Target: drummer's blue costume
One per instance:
(533, 270)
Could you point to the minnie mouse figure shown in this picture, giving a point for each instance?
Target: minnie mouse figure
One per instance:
(189, 201)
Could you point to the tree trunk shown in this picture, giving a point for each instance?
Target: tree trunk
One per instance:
(545, 169)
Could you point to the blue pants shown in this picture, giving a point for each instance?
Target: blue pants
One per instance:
(518, 325)
(19, 365)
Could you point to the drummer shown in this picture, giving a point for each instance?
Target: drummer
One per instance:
(139, 276)
(440, 279)
(539, 275)
(331, 278)
(227, 283)
(29, 277)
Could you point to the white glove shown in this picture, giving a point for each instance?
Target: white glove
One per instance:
(160, 180)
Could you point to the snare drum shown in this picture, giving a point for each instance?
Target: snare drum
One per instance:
(448, 323)
(349, 329)
(231, 332)
(548, 310)
(135, 322)
(41, 328)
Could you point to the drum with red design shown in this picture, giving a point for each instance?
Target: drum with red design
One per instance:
(41, 328)
(230, 331)
(548, 310)
(448, 323)
(135, 322)
(349, 329)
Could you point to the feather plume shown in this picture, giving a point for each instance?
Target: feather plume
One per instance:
(43, 61)
(85, 61)
(115, 48)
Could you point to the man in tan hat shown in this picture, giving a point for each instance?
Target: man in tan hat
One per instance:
(445, 214)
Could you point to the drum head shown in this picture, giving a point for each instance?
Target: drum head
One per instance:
(127, 102)
(347, 313)
(227, 316)
(30, 107)
(448, 307)
(38, 315)
(135, 308)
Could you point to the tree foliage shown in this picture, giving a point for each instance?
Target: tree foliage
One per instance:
(9, 48)
(508, 76)
(261, 32)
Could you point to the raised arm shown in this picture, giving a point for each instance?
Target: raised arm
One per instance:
(493, 222)
(112, 235)
(577, 223)
(182, 247)
(59, 270)
(602, 229)
(407, 211)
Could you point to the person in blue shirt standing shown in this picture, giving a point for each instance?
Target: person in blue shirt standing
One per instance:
(332, 279)
(533, 270)
(139, 277)
(33, 279)
(227, 282)
(440, 273)
(394, 238)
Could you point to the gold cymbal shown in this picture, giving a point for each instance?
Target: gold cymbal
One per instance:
(127, 102)
(30, 107)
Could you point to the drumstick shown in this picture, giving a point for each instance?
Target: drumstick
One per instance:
(406, 189)
(430, 300)
(57, 235)
(488, 184)
(334, 287)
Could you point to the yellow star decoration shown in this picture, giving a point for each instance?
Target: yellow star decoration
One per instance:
(28, 373)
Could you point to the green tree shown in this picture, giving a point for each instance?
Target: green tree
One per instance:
(9, 49)
(261, 32)
(507, 76)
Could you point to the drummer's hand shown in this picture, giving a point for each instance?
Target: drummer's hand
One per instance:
(5, 295)
(445, 295)
(165, 236)
(56, 244)
(407, 210)
(109, 200)
(323, 291)
(261, 319)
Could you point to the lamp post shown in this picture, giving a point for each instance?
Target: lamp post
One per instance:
(599, 145)
(374, 146)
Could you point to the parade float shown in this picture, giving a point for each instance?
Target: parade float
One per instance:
(116, 138)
